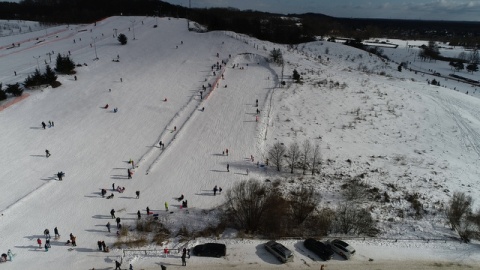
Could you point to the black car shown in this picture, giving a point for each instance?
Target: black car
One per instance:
(319, 248)
(210, 250)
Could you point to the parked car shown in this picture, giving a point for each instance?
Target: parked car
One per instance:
(342, 248)
(280, 251)
(319, 248)
(210, 250)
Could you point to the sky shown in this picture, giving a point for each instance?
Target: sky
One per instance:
(467, 10)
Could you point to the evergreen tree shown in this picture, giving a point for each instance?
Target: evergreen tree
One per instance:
(472, 68)
(122, 39)
(276, 56)
(14, 89)
(3, 95)
(49, 76)
(459, 66)
(64, 64)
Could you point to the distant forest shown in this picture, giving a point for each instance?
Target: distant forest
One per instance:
(285, 29)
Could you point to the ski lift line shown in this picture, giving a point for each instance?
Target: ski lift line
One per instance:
(192, 111)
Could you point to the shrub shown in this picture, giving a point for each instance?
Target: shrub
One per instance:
(64, 65)
(14, 89)
(122, 39)
(3, 95)
(459, 206)
(246, 204)
(303, 202)
(350, 218)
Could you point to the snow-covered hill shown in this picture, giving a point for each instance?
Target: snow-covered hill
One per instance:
(404, 135)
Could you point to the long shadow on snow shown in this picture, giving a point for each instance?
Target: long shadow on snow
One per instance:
(102, 216)
(43, 156)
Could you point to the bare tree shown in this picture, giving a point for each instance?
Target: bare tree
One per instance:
(303, 202)
(246, 204)
(316, 159)
(276, 154)
(306, 148)
(459, 206)
(352, 219)
(293, 155)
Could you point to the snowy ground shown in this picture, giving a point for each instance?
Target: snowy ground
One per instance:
(406, 135)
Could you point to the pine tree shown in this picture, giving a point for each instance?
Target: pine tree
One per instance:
(14, 89)
(3, 95)
(64, 64)
(49, 76)
(122, 39)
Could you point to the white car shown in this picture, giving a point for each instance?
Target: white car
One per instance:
(280, 251)
(343, 249)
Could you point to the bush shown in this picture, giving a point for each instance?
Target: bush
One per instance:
(14, 89)
(303, 202)
(3, 95)
(350, 219)
(459, 206)
(319, 223)
(247, 203)
(122, 39)
(64, 65)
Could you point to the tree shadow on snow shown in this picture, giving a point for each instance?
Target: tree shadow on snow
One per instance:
(100, 231)
(124, 197)
(36, 128)
(218, 170)
(38, 156)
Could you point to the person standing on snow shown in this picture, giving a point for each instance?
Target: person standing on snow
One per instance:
(118, 222)
(137, 193)
(46, 233)
(215, 190)
(166, 206)
(108, 226)
(129, 174)
(44, 125)
(47, 153)
(39, 242)
(112, 212)
(57, 235)
(228, 167)
(139, 215)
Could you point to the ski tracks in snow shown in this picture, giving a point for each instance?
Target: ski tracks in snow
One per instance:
(468, 135)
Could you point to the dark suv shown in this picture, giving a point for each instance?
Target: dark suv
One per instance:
(319, 248)
(210, 250)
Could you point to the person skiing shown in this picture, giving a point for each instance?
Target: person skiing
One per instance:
(44, 125)
(99, 244)
(104, 191)
(112, 212)
(215, 189)
(108, 226)
(39, 242)
(113, 187)
(137, 193)
(57, 235)
(166, 206)
(139, 215)
(47, 153)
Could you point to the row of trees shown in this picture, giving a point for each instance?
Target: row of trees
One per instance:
(260, 208)
(306, 157)
(13, 89)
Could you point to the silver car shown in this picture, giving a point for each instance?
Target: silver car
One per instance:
(280, 251)
(343, 249)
